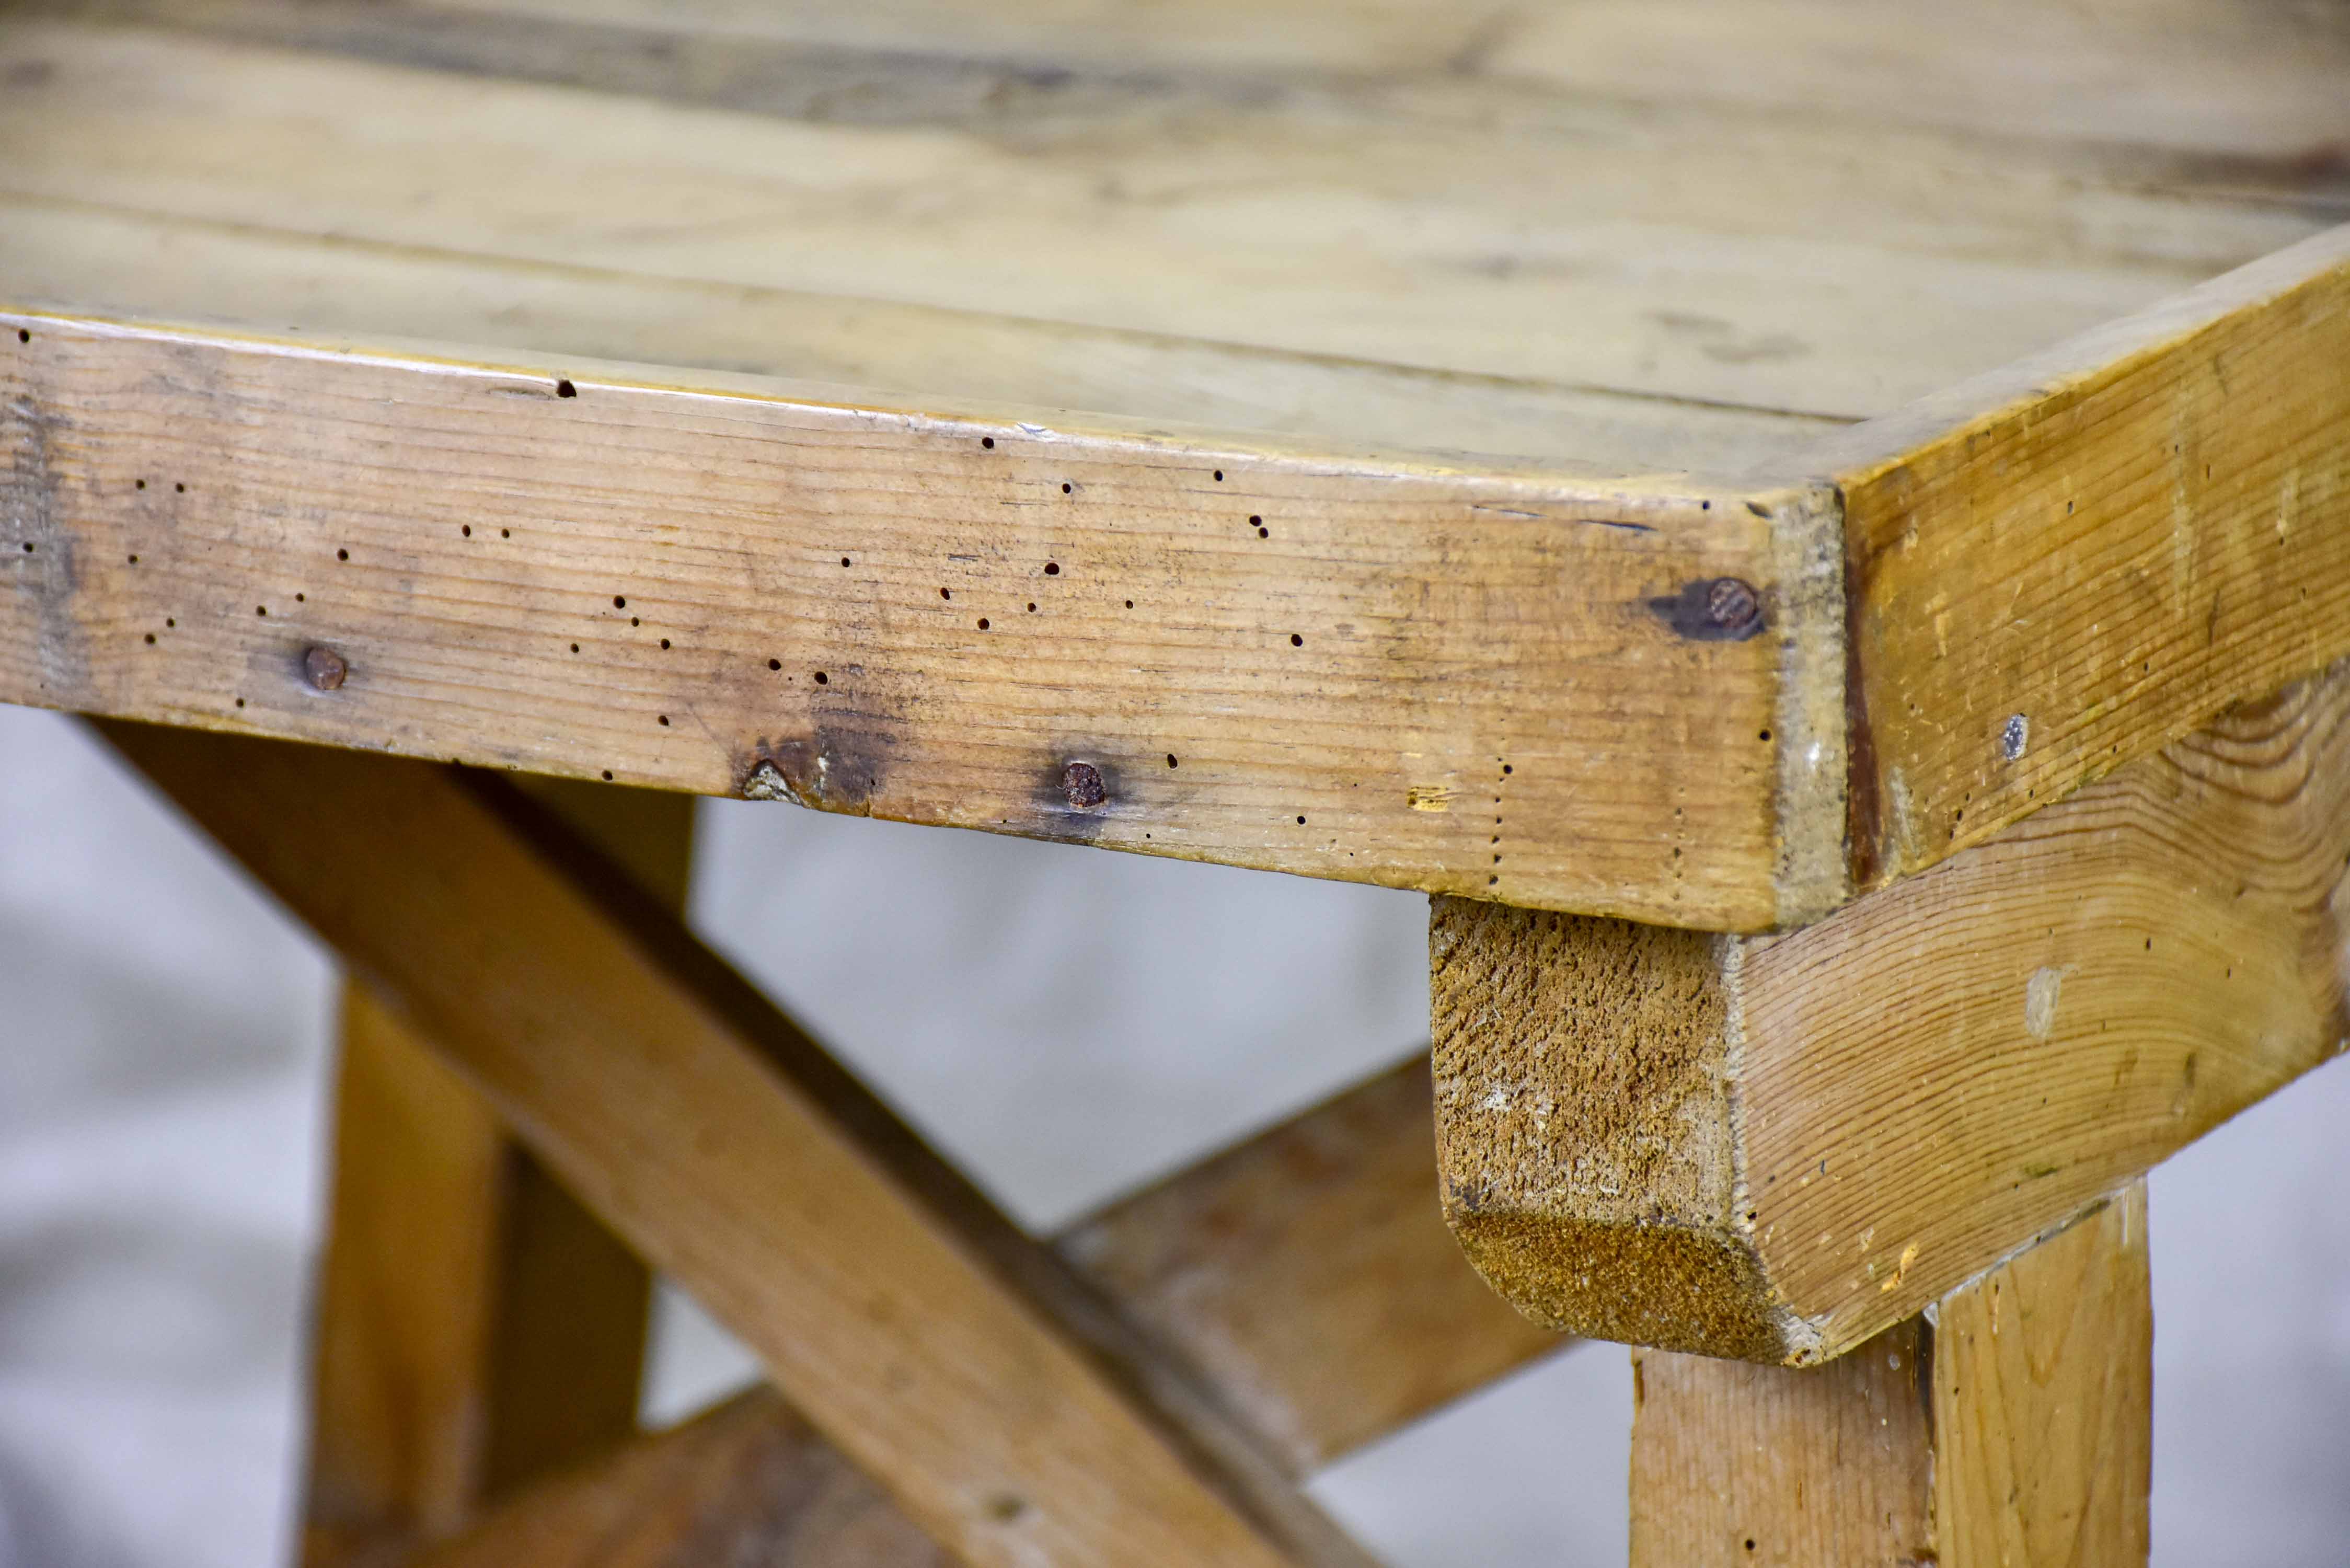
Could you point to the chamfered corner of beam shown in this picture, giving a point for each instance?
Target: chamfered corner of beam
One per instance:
(1585, 1133)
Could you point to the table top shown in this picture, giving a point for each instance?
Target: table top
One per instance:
(1614, 249)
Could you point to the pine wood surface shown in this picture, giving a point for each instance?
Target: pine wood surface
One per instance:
(2008, 1426)
(1011, 1410)
(1306, 1269)
(1484, 221)
(2068, 562)
(747, 1485)
(1777, 1147)
(1268, 234)
(647, 585)
(475, 1329)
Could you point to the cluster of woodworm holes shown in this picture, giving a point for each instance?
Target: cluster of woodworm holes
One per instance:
(619, 601)
(946, 595)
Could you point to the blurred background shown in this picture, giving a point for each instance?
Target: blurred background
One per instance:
(164, 1071)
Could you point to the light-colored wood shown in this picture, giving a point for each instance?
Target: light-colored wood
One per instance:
(1451, 223)
(1875, 263)
(2239, 92)
(1777, 1147)
(747, 1485)
(474, 1328)
(2080, 557)
(1337, 666)
(405, 1298)
(192, 269)
(2009, 1428)
(1309, 1273)
(1306, 1271)
(1010, 1410)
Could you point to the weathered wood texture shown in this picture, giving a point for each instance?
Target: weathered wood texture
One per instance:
(2088, 554)
(747, 1485)
(1309, 1272)
(1475, 220)
(1306, 1269)
(1777, 1147)
(1331, 244)
(2009, 1428)
(474, 1328)
(1009, 1408)
(1344, 669)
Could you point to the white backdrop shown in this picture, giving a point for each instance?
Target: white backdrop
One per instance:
(1067, 1023)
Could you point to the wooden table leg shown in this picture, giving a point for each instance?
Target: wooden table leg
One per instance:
(2007, 1429)
(476, 1327)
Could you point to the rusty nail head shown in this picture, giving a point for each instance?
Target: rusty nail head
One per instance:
(325, 668)
(1732, 604)
(1082, 783)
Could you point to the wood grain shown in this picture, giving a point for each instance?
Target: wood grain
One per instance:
(1483, 224)
(2011, 1426)
(2085, 556)
(1334, 666)
(208, 270)
(475, 1329)
(1306, 1271)
(1010, 1410)
(1777, 1147)
(748, 1484)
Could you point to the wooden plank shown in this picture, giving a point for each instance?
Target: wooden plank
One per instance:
(1315, 663)
(748, 1482)
(475, 1328)
(1305, 1271)
(1777, 1147)
(2250, 81)
(1791, 261)
(1308, 1273)
(2078, 558)
(1010, 1410)
(406, 1298)
(2009, 1425)
(192, 269)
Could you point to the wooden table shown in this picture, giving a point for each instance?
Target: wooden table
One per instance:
(1820, 532)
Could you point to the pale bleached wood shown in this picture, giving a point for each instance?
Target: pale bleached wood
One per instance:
(2057, 568)
(195, 269)
(2011, 1427)
(1697, 253)
(1317, 663)
(475, 1329)
(1777, 1147)
(1008, 1407)
(2134, 77)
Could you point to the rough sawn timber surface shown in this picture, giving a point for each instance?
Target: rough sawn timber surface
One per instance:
(1504, 685)
(2008, 1426)
(1775, 1148)
(1008, 1407)
(1306, 1271)
(474, 1327)
(2057, 568)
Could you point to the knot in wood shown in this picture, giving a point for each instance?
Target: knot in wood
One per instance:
(1082, 783)
(324, 668)
(1732, 604)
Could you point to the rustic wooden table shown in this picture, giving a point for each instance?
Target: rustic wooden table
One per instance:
(1819, 531)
